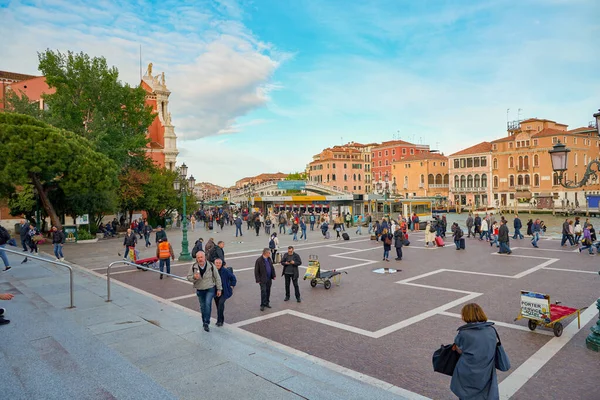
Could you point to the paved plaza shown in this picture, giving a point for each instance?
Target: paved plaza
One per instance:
(383, 328)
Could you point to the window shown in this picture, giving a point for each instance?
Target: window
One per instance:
(345, 177)
(463, 181)
(554, 140)
(412, 151)
(495, 181)
(333, 177)
(380, 163)
(422, 179)
(387, 162)
(463, 163)
(469, 163)
(456, 180)
(345, 187)
(535, 142)
(386, 153)
(359, 178)
(380, 154)
(536, 160)
(495, 163)
(434, 163)
(527, 143)
(393, 152)
(456, 163)
(536, 180)
(403, 151)
(511, 181)
(345, 165)
(511, 163)
(484, 180)
(520, 162)
(527, 180)
(555, 181)
(520, 180)
(526, 162)
(484, 161)
(354, 177)
(470, 181)
(476, 181)
(576, 177)
(494, 146)
(333, 165)
(439, 179)
(446, 179)
(476, 162)
(510, 145)
(431, 179)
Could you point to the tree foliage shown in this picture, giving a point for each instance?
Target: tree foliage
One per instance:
(160, 198)
(91, 101)
(38, 154)
(22, 202)
(21, 104)
(297, 176)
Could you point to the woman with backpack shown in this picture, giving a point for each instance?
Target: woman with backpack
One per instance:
(386, 238)
(273, 246)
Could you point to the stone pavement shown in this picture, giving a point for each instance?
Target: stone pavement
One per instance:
(138, 347)
(383, 329)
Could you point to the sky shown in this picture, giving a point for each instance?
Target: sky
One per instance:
(263, 85)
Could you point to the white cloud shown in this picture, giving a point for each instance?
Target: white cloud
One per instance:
(216, 69)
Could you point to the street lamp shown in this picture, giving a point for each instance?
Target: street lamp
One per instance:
(559, 156)
(386, 194)
(182, 184)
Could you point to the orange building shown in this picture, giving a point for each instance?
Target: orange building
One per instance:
(421, 175)
(346, 167)
(385, 154)
(522, 169)
(32, 86)
(470, 175)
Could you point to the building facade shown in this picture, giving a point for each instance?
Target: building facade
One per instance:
(470, 176)
(421, 175)
(385, 154)
(522, 170)
(343, 167)
(278, 176)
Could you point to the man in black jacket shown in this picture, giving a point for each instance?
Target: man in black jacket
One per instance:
(503, 238)
(290, 262)
(23, 233)
(264, 273)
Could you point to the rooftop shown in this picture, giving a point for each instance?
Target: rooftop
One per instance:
(14, 76)
(424, 156)
(483, 147)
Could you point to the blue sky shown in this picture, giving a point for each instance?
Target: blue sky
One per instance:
(262, 86)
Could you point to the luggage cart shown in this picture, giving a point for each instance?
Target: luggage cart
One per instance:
(318, 277)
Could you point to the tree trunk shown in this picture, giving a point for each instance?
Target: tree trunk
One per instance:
(46, 201)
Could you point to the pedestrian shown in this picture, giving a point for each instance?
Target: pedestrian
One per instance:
(129, 242)
(370, 222)
(484, 229)
(477, 223)
(198, 246)
(586, 243)
(386, 238)
(4, 238)
(32, 238)
(416, 222)
(566, 233)
(228, 281)
(359, 223)
(430, 234)
(207, 283)
(398, 242)
(147, 232)
(475, 376)
(470, 223)
(577, 230)
(4, 296)
(535, 233)
(24, 233)
(208, 247)
(494, 235)
(303, 229)
(160, 234)
(268, 223)
(238, 226)
(295, 231)
(290, 262)
(264, 273)
(218, 252)
(273, 246)
(141, 226)
(503, 238)
(257, 224)
(325, 229)
(517, 225)
(193, 222)
(529, 227)
(457, 235)
(312, 220)
(165, 253)
(348, 220)
(282, 222)
(58, 240)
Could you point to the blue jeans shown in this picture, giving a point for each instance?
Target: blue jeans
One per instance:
(295, 236)
(589, 247)
(3, 256)
(359, 229)
(58, 250)
(534, 240)
(303, 234)
(517, 233)
(370, 227)
(386, 254)
(494, 240)
(565, 238)
(312, 225)
(147, 238)
(238, 229)
(162, 263)
(504, 248)
(205, 297)
(457, 243)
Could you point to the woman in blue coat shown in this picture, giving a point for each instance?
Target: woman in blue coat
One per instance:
(228, 280)
(387, 239)
(475, 377)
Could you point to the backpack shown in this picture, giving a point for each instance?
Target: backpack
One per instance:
(4, 235)
(272, 243)
(431, 229)
(196, 249)
(387, 240)
(312, 218)
(281, 219)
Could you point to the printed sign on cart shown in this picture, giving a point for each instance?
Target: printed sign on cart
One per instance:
(535, 306)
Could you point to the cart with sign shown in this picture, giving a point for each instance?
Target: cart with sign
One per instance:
(537, 309)
(143, 263)
(318, 277)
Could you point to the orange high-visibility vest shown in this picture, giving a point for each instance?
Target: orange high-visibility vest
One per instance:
(163, 250)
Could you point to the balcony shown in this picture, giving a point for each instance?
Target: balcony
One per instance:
(405, 186)
(522, 188)
(468, 189)
(439, 186)
(421, 185)
(523, 168)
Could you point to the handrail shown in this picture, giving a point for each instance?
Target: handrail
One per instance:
(137, 266)
(51, 262)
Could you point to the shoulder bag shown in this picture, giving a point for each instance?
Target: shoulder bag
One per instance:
(502, 362)
(445, 359)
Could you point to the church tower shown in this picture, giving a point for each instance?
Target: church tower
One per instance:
(162, 148)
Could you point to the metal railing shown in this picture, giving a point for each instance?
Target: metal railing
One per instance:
(144, 268)
(28, 255)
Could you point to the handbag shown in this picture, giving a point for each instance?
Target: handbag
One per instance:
(501, 359)
(445, 359)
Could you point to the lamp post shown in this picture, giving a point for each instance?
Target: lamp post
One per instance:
(559, 156)
(183, 184)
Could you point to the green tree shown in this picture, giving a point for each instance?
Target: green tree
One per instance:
(160, 198)
(50, 159)
(91, 101)
(297, 176)
(22, 202)
(20, 103)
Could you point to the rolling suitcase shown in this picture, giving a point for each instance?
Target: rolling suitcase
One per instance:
(345, 236)
(439, 241)
(462, 243)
